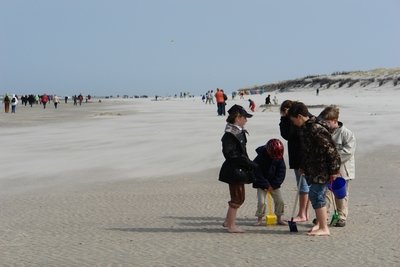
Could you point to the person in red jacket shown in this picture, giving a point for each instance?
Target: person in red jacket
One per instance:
(44, 100)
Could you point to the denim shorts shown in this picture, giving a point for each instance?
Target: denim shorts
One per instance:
(317, 195)
(304, 187)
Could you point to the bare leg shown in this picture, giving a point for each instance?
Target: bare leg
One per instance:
(314, 227)
(302, 216)
(307, 211)
(230, 221)
(321, 228)
(261, 206)
(225, 224)
(259, 221)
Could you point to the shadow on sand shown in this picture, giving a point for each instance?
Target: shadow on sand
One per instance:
(204, 225)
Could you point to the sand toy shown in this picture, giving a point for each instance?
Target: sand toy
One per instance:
(271, 218)
(335, 215)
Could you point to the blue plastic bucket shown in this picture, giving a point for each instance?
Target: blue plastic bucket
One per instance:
(338, 187)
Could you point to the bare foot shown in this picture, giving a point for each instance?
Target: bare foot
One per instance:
(224, 224)
(314, 228)
(235, 230)
(259, 221)
(319, 232)
(300, 219)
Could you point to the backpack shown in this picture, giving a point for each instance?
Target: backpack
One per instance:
(13, 100)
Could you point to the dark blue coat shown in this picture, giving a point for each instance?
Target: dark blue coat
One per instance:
(269, 172)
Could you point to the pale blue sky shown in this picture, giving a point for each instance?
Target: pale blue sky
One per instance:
(165, 47)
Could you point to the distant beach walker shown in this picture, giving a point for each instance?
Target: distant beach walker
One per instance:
(56, 101)
(14, 103)
(6, 101)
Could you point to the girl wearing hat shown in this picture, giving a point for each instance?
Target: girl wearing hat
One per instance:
(237, 169)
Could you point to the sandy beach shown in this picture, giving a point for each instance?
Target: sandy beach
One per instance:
(134, 183)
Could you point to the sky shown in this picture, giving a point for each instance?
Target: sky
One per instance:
(164, 47)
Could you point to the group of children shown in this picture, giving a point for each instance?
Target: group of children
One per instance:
(320, 150)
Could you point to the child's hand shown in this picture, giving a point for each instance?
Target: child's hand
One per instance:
(270, 189)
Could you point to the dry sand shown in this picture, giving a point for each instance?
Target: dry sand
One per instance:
(134, 183)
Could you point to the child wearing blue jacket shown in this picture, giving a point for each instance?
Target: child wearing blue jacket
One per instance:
(270, 174)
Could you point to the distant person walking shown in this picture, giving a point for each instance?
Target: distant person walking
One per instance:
(317, 92)
(44, 100)
(66, 99)
(237, 169)
(24, 100)
(14, 102)
(6, 101)
(80, 98)
(211, 97)
(31, 100)
(275, 100)
(207, 97)
(252, 105)
(219, 97)
(225, 99)
(268, 100)
(56, 100)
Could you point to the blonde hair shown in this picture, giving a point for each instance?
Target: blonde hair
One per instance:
(330, 113)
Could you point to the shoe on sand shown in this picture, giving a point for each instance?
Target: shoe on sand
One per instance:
(340, 223)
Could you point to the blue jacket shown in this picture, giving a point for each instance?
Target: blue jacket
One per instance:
(269, 172)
